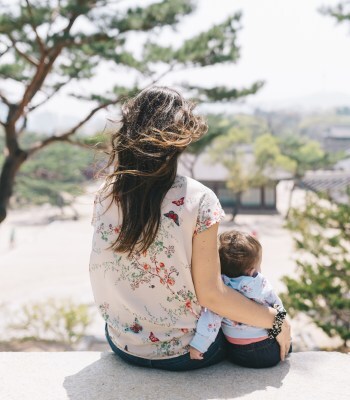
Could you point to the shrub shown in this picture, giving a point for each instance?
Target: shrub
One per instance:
(322, 288)
(59, 320)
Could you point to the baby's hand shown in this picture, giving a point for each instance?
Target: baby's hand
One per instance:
(195, 354)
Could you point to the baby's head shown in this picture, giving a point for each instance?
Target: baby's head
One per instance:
(240, 254)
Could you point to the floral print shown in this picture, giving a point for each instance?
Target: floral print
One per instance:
(106, 232)
(148, 298)
(209, 212)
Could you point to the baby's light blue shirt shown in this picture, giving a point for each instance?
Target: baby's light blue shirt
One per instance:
(257, 288)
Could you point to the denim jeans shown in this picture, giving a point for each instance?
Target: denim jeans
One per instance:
(215, 354)
(262, 354)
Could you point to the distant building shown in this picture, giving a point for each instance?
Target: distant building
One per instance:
(336, 184)
(343, 165)
(337, 138)
(214, 176)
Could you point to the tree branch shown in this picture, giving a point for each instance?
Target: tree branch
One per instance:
(5, 51)
(170, 69)
(24, 125)
(38, 38)
(43, 69)
(49, 96)
(21, 53)
(5, 100)
(85, 145)
(98, 37)
(60, 44)
(66, 136)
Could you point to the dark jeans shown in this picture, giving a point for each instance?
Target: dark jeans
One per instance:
(215, 354)
(262, 354)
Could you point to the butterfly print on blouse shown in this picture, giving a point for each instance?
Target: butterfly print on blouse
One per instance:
(135, 327)
(153, 338)
(179, 202)
(173, 216)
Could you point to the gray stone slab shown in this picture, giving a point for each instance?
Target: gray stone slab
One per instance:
(102, 376)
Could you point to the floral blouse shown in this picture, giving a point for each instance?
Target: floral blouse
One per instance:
(148, 299)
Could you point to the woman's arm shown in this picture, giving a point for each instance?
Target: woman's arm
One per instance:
(211, 291)
(213, 294)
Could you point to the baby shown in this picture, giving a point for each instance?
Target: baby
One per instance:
(240, 259)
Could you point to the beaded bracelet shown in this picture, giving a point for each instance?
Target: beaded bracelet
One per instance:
(277, 325)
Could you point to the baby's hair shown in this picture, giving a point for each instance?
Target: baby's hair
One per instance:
(239, 252)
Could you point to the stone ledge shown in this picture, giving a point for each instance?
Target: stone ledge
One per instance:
(102, 376)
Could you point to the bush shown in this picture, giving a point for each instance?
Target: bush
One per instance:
(322, 288)
(59, 320)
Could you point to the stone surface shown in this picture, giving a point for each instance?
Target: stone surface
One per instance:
(102, 376)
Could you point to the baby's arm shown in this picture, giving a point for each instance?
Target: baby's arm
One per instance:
(260, 290)
(270, 297)
(208, 327)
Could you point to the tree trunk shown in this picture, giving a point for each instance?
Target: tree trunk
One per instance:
(188, 163)
(7, 179)
(237, 206)
(290, 199)
(193, 165)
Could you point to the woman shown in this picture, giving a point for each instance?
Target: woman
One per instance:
(154, 260)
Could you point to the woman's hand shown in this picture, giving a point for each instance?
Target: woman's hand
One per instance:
(284, 339)
(195, 354)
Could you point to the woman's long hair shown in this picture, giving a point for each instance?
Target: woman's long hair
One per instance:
(156, 127)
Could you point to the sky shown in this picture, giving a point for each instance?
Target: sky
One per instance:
(302, 55)
(288, 44)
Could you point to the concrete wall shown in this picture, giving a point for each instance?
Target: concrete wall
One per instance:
(102, 376)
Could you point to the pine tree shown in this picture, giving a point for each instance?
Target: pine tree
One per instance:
(47, 44)
(307, 155)
(321, 289)
(340, 12)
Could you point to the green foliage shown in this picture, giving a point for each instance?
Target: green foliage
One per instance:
(233, 151)
(307, 154)
(48, 44)
(59, 320)
(251, 161)
(46, 26)
(158, 14)
(217, 127)
(217, 45)
(253, 123)
(253, 155)
(15, 72)
(268, 155)
(100, 140)
(322, 285)
(55, 171)
(340, 12)
(223, 94)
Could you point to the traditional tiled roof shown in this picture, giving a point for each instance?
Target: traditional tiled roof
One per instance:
(339, 132)
(322, 181)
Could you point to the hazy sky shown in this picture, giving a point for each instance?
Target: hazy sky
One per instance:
(299, 52)
(289, 44)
